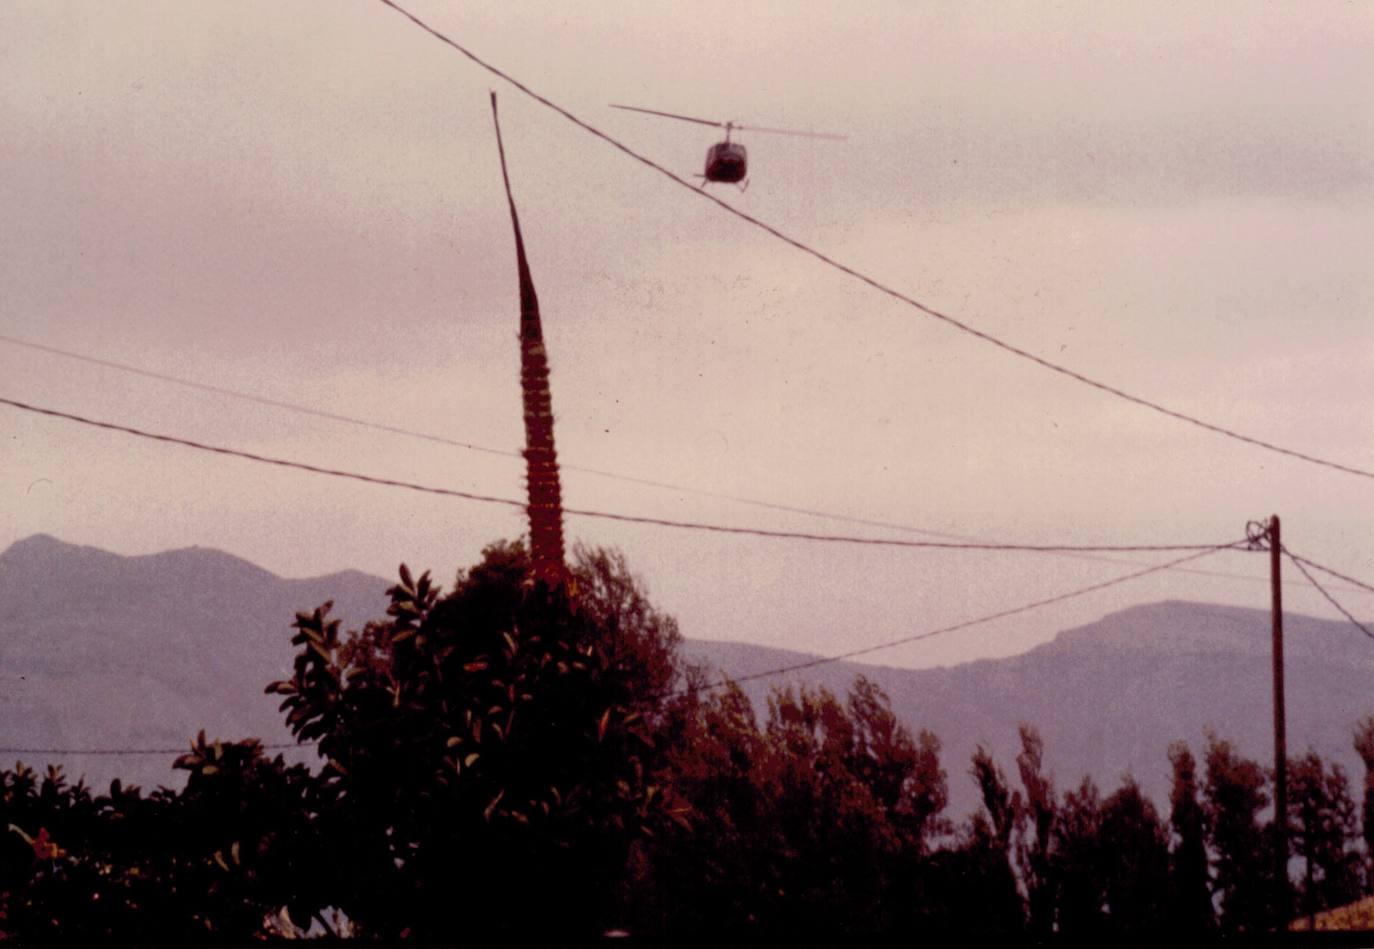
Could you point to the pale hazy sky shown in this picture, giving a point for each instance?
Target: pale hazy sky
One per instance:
(304, 201)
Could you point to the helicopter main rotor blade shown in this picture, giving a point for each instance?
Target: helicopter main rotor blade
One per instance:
(670, 115)
(758, 128)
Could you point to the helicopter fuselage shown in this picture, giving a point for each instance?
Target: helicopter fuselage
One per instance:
(726, 162)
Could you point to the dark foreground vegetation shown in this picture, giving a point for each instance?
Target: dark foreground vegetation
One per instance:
(504, 763)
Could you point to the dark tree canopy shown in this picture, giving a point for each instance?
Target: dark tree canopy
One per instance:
(1234, 795)
(1136, 865)
(1036, 819)
(509, 762)
(1190, 883)
(489, 749)
(1323, 824)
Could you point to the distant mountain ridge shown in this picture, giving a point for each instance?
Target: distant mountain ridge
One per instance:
(1109, 697)
(98, 650)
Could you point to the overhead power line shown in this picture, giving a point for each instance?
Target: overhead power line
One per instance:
(1329, 598)
(1002, 614)
(870, 281)
(603, 515)
(444, 440)
(1339, 576)
(262, 459)
(253, 397)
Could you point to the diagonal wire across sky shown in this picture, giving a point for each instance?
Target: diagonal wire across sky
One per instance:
(432, 437)
(581, 512)
(872, 282)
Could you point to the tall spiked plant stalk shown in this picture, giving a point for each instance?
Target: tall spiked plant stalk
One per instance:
(545, 504)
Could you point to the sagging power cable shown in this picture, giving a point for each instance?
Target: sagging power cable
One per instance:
(870, 281)
(602, 515)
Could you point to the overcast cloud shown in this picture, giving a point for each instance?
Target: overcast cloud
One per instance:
(304, 202)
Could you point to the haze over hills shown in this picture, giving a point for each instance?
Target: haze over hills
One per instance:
(1109, 697)
(103, 651)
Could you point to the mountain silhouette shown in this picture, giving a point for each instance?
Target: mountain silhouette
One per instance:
(1109, 697)
(102, 651)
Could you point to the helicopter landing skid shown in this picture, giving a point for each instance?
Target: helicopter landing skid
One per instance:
(743, 186)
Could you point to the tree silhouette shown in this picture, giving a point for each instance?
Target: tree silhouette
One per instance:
(1323, 824)
(1190, 893)
(1364, 747)
(1136, 869)
(1081, 894)
(1234, 795)
(1037, 816)
(508, 763)
(985, 900)
(489, 750)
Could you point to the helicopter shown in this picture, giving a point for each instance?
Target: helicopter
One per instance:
(727, 162)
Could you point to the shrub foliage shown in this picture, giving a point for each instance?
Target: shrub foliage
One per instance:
(510, 762)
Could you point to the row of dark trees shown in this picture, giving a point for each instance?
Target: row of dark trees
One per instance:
(505, 762)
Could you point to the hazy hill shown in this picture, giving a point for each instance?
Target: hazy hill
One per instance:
(1110, 696)
(103, 651)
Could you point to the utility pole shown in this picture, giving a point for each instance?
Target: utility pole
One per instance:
(1260, 537)
(545, 503)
